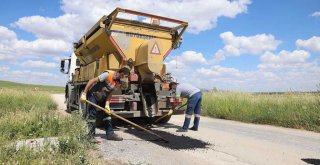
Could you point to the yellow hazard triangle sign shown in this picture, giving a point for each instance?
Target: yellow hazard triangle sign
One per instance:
(155, 49)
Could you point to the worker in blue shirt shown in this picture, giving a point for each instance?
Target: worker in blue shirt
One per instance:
(194, 97)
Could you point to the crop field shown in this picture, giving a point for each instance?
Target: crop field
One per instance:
(31, 87)
(293, 110)
(28, 115)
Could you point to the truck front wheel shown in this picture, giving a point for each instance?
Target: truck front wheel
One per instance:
(69, 107)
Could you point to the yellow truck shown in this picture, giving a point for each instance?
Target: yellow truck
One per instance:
(132, 39)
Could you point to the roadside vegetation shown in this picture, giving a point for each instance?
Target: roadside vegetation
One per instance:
(293, 110)
(31, 87)
(28, 115)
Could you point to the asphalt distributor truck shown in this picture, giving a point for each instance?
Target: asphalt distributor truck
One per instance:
(138, 41)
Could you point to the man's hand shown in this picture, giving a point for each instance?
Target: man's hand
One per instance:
(83, 97)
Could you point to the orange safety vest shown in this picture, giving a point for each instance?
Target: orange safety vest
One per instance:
(101, 90)
(110, 79)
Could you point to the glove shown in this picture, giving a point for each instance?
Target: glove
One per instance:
(83, 97)
(107, 106)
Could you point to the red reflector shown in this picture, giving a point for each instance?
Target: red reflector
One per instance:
(117, 100)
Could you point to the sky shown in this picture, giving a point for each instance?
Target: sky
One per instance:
(239, 45)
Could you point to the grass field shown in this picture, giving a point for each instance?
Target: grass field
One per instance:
(27, 115)
(294, 110)
(20, 86)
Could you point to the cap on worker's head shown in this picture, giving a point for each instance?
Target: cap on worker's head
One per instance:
(171, 84)
(124, 70)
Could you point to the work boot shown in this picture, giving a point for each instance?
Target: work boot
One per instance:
(91, 139)
(115, 137)
(193, 128)
(186, 123)
(196, 122)
(150, 122)
(182, 130)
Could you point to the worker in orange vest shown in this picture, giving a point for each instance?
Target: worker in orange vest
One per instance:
(99, 91)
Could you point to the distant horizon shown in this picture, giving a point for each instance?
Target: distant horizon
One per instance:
(29, 84)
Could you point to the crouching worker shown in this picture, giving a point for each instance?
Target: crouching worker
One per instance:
(194, 97)
(99, 91)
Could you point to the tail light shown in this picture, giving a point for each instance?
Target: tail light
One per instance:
(133, 77)
(172, 99)
(117, 100)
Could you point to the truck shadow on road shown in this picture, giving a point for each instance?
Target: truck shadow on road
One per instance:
(311, 161)
(176, 142)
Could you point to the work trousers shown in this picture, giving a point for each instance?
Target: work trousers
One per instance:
(193, 106)
(92, 114)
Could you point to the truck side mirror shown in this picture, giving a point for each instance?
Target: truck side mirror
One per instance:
(62, 66)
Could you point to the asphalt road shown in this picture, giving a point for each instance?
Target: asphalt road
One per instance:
(216, 142)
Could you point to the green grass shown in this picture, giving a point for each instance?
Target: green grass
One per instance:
(293, 110)
(27, 115)
(30, 87)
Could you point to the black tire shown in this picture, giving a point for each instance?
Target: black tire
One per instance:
(69, 108)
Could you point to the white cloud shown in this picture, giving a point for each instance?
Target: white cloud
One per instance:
(303, 78)
(192, 57)
(6, 35)
(77, 19)
(4, 68)
(38, 64)
(28, 73)
(238, 45)
(183, 66)
(177, 68)
(292, 69)
(315, 14)
(66, 27)
(284, 71)
(217, 70)
(284, 59)
(32, 77)
(13, 48)
(312, 43)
